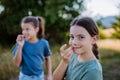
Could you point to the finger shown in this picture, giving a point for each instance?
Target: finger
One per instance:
(64, 52)
(67, 54)
(20, 38)
(70, 52)
(63, 47)
(68, 57)
(69, 49)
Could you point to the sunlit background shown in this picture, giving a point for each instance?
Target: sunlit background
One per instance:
(102, 8)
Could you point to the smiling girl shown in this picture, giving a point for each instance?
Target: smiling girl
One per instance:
(80, 60)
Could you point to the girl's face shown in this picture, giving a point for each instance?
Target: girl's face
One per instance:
(80, 40)
(29, 32)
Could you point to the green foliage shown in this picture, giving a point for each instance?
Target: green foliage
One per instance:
(116, 27)
(57, 14)
(102, 35)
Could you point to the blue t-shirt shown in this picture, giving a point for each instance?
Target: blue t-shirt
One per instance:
(33, 56)
(90, 70)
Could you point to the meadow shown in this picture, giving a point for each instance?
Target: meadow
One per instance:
(109, 58)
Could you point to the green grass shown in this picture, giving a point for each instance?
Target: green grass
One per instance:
(7, 69)
(110, 61)
(109, 58)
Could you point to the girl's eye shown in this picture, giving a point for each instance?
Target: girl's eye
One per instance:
(71, 37)
(80, 37)
(27, 29)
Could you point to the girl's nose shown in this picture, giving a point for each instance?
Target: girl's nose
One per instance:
(74, 42)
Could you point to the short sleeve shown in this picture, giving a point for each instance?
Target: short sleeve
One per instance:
(15, 49)
(47, 51)
(93, 75)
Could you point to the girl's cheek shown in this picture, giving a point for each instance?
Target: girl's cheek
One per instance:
(70, 42)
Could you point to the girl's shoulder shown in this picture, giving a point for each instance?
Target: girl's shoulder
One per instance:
(94, 65)
(43, 40)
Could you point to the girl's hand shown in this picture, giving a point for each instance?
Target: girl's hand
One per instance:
(49, 77)
(20, 40)
(66, 53)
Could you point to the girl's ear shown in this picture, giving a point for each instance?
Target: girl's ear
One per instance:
(95, 38)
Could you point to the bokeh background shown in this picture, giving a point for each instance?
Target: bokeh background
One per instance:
(58, 15)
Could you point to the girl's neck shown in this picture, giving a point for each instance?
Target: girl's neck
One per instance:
(33, 40)
(86, 57)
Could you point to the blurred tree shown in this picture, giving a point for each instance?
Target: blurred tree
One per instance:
(101, 29)
(14, 11)
(57, 14)
(116, 27)
(102, 34)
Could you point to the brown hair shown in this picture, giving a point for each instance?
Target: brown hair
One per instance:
(37, 22)
(91, 27)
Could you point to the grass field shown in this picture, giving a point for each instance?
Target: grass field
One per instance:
(110, 58)
(109, 53)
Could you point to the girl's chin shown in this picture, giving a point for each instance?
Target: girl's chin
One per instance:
(76, 52)
(27, 39)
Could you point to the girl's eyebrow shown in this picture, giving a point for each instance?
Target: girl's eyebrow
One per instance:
(77, 35)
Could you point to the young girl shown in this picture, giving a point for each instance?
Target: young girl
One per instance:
(30, 50)
(80, 60)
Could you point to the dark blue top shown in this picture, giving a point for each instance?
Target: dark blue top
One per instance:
(33, 56)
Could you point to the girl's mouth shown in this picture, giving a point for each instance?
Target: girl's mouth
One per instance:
(73, 48)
